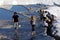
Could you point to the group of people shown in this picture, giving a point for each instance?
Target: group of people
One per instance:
(48, 22)
(45, 17)
(16, 22)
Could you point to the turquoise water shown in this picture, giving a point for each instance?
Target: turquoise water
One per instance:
(25, 30)
(7, 15)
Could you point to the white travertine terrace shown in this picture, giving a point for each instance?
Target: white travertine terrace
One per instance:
(27, 2)
(3, 3)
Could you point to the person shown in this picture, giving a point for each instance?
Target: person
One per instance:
(45, 25)
(33, 24)
(49, 29)
(47, 17)
(15, 19)
(50, 24)
(41, 14)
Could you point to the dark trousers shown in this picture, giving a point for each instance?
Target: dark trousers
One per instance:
(33, 27)
(49, 31)
(57, 38)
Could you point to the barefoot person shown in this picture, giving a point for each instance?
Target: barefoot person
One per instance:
(33, 24)
(45, 24)
(15, 19)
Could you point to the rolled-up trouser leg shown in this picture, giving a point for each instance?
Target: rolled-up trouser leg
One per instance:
(15, 25)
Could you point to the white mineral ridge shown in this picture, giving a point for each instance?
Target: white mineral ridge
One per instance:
(26, 2)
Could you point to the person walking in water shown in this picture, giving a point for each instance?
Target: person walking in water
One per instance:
(15, 19)
(33, 24)
(45, 24)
